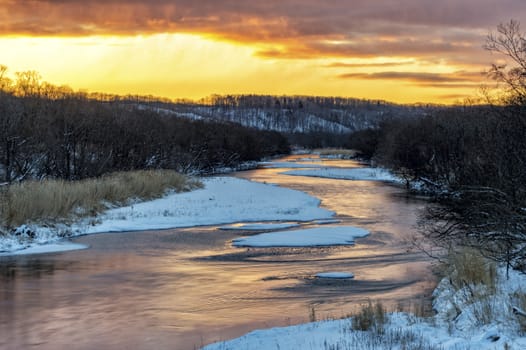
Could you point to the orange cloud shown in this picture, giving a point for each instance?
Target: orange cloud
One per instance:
(454, 28)
(422, 78)
(370, 65)
(334, 42)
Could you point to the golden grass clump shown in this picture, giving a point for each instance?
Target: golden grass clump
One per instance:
(518, 299)
(370, 317)
(52, 200)
(469, 267)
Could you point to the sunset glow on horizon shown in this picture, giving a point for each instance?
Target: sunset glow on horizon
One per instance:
(416, 51)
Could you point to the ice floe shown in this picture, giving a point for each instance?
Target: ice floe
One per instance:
(366, 174)
(259, 227)
(311, 237)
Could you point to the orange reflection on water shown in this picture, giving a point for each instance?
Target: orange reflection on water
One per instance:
(184, 288)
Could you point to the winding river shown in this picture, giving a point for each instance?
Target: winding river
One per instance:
(184, 288)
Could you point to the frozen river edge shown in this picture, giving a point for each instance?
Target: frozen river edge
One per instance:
(223, 200)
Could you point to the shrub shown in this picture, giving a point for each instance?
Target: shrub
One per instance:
(312, 314)
(518, 299)
(469, 267)
(370, 317)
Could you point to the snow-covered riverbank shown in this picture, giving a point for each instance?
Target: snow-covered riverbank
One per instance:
(459, 324)
(263, 207)
(223, 200)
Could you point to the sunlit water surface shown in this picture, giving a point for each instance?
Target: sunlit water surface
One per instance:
(181, 289)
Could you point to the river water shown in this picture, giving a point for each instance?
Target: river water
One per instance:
(184, 288)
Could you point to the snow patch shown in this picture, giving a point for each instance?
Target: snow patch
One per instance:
(57, 247)
(223, 200)
(326, 222)
(335, 275)
(258, 227)
(29, 236)
(290, 165)
(313, 237)
(365, 174)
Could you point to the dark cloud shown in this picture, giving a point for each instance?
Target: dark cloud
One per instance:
(300, 17)
(453, 29)
(369, 65)
(459, 79)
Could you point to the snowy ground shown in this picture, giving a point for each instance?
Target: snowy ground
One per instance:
(223, 200)
(458, 325)
(56, 247)
(367, 174)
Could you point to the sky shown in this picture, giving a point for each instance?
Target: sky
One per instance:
(404, 51)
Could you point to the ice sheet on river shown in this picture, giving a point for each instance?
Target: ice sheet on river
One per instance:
(335, 275)
(259, 227)
(223, 200)
(278, 165)
(312, 237)
(368, 174)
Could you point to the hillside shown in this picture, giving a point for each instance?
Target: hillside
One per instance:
(291, 114)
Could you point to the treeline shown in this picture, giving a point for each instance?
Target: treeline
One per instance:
(472, 158)
(292, 112)
(290, 102)
(473, 161)
(453, 148)
(308, 121)
(50, 131)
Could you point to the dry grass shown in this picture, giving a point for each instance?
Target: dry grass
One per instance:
(518, 299)
(418, 307)
(475, 277)
(370, 317)
(468, 267)
(398, 338)
(52, 200)
(312, 314)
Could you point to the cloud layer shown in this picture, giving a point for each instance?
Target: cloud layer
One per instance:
(401, 32)
(449, 24)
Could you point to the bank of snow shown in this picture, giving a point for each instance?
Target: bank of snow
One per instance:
(57, 247)
(312, 237)
(223, 200)
(461, 323)
(368, 174)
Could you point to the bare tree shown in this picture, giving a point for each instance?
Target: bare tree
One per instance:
(5, 82)
(486, 210)
(509, 42)
(483, 218)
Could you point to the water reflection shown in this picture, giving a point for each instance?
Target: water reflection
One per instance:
(178, 289)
